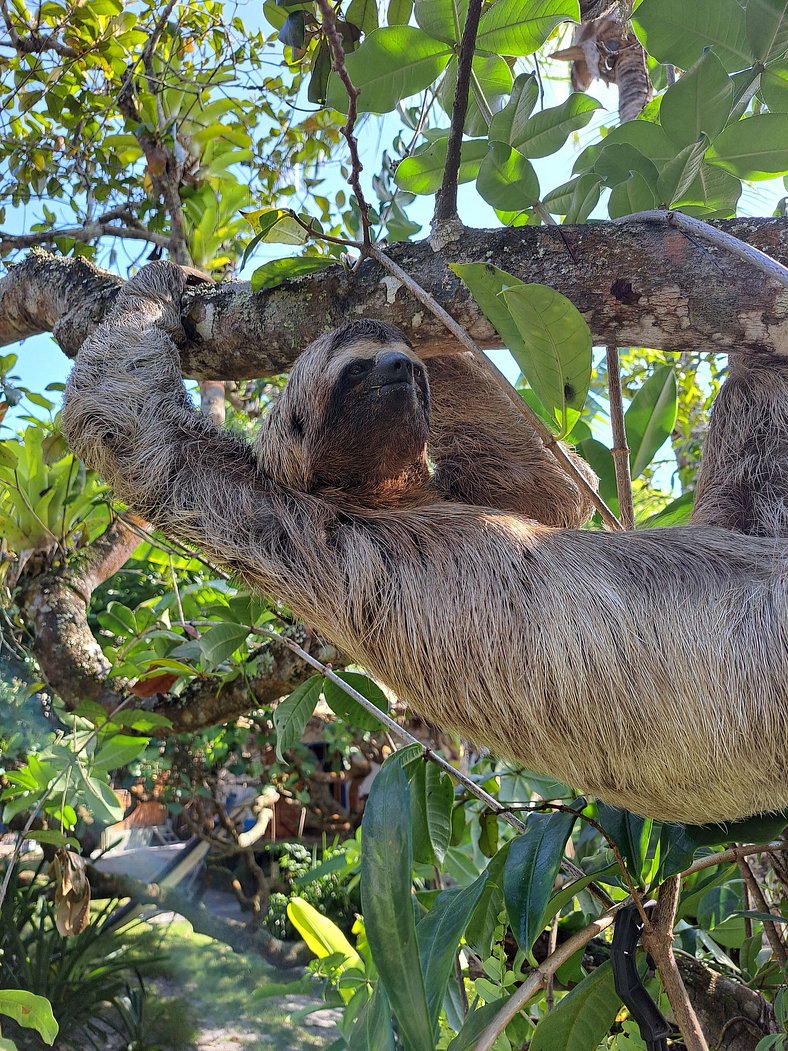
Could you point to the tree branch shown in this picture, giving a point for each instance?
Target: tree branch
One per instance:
(657, 288)
(620, 449)
(88, 232)
(446, 203)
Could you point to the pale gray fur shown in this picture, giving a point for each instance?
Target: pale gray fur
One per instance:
(648, 668)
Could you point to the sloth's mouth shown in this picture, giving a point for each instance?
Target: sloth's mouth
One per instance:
(392, 386)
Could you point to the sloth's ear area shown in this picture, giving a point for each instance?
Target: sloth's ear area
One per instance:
(280, 448)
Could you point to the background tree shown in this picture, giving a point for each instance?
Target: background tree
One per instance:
(209, 135)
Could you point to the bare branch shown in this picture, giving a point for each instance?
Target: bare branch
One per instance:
(770, 929)
(33, 42)
(446, 203)
(338, 65)
(83, 234)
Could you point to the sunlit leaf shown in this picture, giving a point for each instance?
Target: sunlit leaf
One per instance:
(391, 64)
(650, 418)
(273, 273)
(508, 124)
(547, 131)
(423, 172)
(515, 28)
(442, 19)
(677, 31)
(506, 179)
(347, 708)
(221, 641)
(431, 795)
(119, 751)
(31, 1011)
(767, 28)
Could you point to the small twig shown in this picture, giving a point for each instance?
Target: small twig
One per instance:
(658, 941)
(88, 232)
(404, 735)
(552, 944)
(539, 978)
(706, 232)
(446, 204)
(769, 929)
(620, 448)
(732, 854)
(338, 65)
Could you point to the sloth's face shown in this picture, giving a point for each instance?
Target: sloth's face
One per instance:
(376, 418)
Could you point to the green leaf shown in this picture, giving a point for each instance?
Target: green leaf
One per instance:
(118, 619)
(677, 32)
(547, 131)
(651, 417)
(585, 197)
(631, 196)
(774, 86)
(292, 714)
(754, 148)
(648, 143)
(529, 873)
(678, 512)
(363, 14)
(386, 864)
(630, 833)
(8, 455)
(220, 642)
(481, 927)
(431, 795)
(439, 934)
(390, 65)
(767, 28)
(556, 349)
(54, 837)
(423, 172)
(141, 721)
(31, 1011)
(508, 124)
(398, 12)
(678, 174)
(713, 194)
(491, 77)
(321, 71)
(119, 750)
(101, 800)
(271, 274)
(372, 1029)
(293, 32)
(442, 19)
(350, 710)
(506, 179)
(485, 281)
(700, 101)
(582, 1019)
(517, 28)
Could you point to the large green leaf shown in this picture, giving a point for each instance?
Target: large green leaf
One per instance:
(439, 934)
(754, 148)
(700, 101)
(648, 139)
(547, 131)
(221, 641)
(363, 14)
(506, 180)
(321, 934)
(386, 864)
(31, 1011)
(475, 1023)
(347, 708)
(119, 750)
(650, 418)
(520, 27)
(423, 172)
(372, 1029)
(582, 1019)
(601, 460)
(442, 19)
(391, 64)
(480, 930)
(767, 28)
(774, 86)
(555, 356)
(677, 31)
(508, 124)
(585, 197)
(292, 714)
(431, 795)
(529, 873)
(630, 833)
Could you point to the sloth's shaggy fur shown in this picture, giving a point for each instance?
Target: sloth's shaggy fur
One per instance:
(649, 668)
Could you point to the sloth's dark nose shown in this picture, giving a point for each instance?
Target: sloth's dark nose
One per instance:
(392, 366)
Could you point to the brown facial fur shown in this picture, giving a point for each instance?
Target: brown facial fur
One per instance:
(650, 668)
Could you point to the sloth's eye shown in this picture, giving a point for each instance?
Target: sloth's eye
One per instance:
(356, 369)
(418, 371)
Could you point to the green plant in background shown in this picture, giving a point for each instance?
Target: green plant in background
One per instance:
(329, 885)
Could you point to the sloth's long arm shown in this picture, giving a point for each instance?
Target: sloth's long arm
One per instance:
(486, 453)
(127, 415)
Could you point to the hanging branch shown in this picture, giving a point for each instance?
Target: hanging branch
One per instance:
(760, 903)
(620, 448)
(446, 203)
(338, 65)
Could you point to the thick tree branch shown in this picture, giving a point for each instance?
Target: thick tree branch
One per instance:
(56, 604)
(655, 288)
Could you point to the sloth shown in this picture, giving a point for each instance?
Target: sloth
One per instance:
(418, 523)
